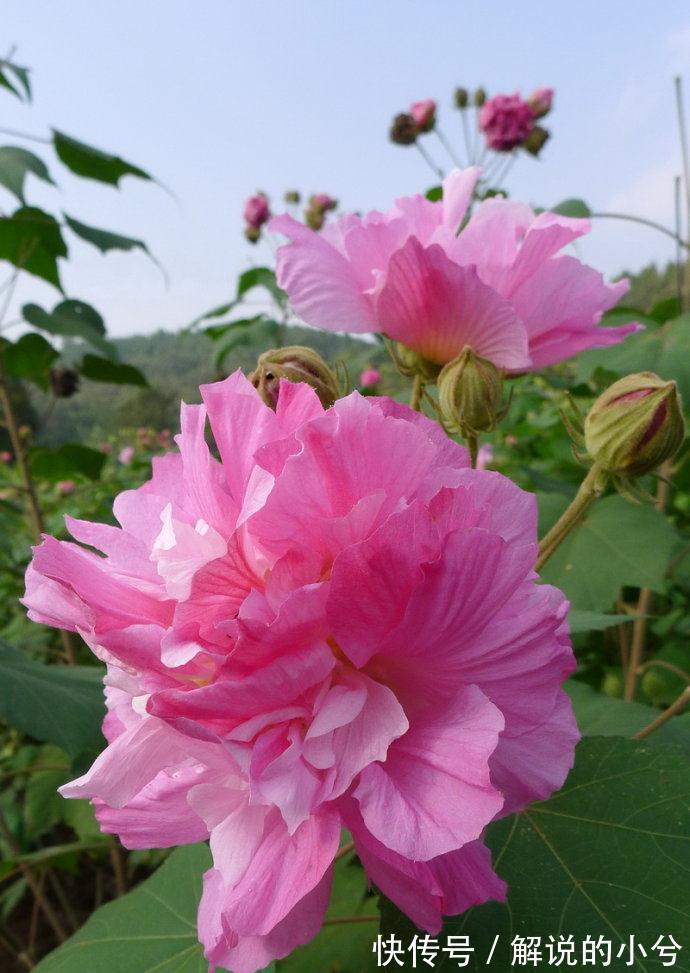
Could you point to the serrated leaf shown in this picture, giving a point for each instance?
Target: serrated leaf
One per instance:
(31, 240)
(74, 319)
(66, 461)
(55, 704)
(572, 207)
(30, 357)
(91, 163)
(617, 544)
(153, 927)
(15, 164)
(606, 856)
(104, 240)
(104, 370)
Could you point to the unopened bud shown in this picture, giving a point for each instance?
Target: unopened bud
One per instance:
(635, 425)
(314, 217)
(541, 101)
(64, 382)
(252, 233)
(479, 97)
(292, 196)
(470, 390)
(404, 130)
(296, 363)
(536, 140)
(461, 97)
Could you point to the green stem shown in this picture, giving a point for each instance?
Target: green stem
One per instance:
(644, 222)
(473, 448)
(590, 489)
(417, 392)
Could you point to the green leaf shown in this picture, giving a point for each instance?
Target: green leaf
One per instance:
(55, 704)
(20, 84)
(30, 357)
(607, 856)
(31, 240)
(345, 948)
(434, 194)
(104, 240)
(664, 350)
(572, 207)
(66, 461)
(618, 543)
(43, 806)
(73, 319)
(103, 370)
(216, 331)
(15, 164)
(84, 160)
(599, 715)
(151, 928)
(587, 621)
(260, 277)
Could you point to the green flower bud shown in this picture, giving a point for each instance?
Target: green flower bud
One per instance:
(536, 140)
(635, 425)
(479, 97)
(292, 196)
(252, 233)
(296, 363)
(470, 390)
(411, 363)
(461, 97)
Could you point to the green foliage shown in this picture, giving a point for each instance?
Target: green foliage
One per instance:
(70, 319)
(30, 357)
(60, 705)
(602, 857)
(153, 927)
(104, 240)
(104, 370)
(15, 78)
(84, 160)
(15, 164)
(67, 461)
(617, 544)
(31, 239)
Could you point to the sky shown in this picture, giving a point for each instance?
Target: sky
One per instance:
(219, 98)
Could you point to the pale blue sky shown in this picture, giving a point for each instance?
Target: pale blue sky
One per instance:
(219, 97)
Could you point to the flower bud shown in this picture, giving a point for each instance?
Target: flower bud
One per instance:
(470, 390)
(461, 97)
(635, 425)
(256, 211)
(536, 140)
(296, 363)
(64, 382)
(541, 101)
(479, 97)
(314, 218)
(292, 196)
(252, 233)
(424, 114)
(404, 130)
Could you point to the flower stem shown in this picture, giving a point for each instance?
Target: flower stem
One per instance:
(417, 392)
(472, 446)
(590, 489)
(675, 707)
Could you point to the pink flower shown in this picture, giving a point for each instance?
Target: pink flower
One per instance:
(485, 456)
(323, 202)
(336, 624)
(126, 455)
(500, 285)
(541, 101)
(369, 378)
(424, 114)
(506, 121)
(5, 456)
(65, 487)
(256, 211)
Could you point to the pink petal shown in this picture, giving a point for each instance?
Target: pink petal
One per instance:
(435, 782)
(437, 307)
(458, 189)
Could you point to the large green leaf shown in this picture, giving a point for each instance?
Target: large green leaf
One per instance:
(74, 319)
(67, 461)
(15, 164)
(30, 357)
(84, 160)
(55, 704)
(606, 856)
(104, 370)
(104, 240)
(31, 240)
(664, 350)
(618, 543)
(151, 928)
(599, 715)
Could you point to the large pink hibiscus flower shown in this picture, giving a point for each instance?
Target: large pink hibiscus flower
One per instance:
(423, 278)
(338, 623)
